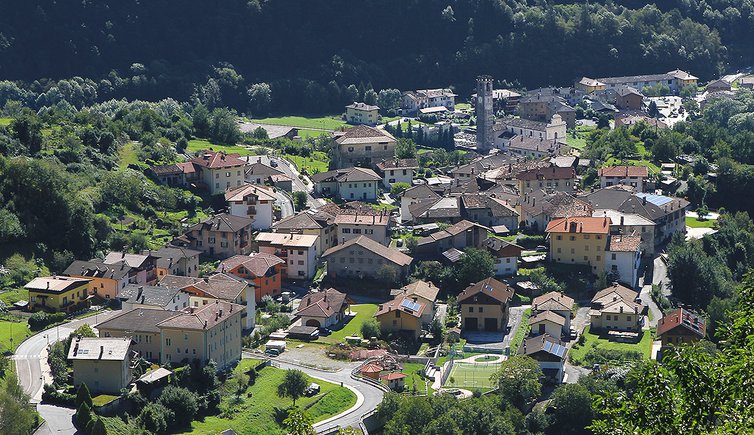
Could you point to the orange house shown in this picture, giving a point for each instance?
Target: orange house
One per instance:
(262, 270)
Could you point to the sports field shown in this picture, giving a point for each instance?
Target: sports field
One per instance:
(472, 375)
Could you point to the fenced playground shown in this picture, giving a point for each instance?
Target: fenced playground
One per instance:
(471, 375)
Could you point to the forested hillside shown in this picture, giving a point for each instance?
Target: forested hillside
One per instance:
(309, 52)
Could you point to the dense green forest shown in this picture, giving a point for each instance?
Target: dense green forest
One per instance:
(261, 56)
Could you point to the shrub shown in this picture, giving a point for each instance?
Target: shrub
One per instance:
(370, 328)
(155, 417)
(597, 355)
(83, 396)
(83, 416)
(41, 320)
(182, 402)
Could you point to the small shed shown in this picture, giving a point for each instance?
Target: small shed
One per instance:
(394, 381)
(303, 332)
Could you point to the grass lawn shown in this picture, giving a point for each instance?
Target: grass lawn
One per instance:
(352, 328)
(412, 377)
(317, 162)
(522, 332)
(463, 106)
(195, 145)
(254, 411)
(103, 399)
(472, 376)
(128, 155)
(613, 161)
(5, 121)
(578, 352)
(324, 122)
(20, 331)
(576, 141)
(305, 133)
(696, 223)
(116, 426)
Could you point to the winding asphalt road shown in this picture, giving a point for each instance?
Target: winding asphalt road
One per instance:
(368, 396)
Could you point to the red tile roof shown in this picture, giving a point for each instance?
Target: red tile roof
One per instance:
(625, 171)
(681, 317)
(215, 160)
(551, 173)
(589, 225)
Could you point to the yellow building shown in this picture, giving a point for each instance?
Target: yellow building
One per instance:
(212, 332)
(58, 293)
(362, 113)
(589, 85)
(140, 325)
(105, 280)
(615, 309)
(485, 306)
(579, 240)
(401, 314)
(103, 364)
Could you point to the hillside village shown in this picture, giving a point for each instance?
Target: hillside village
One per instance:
(389, 270)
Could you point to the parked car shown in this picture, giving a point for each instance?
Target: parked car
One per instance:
(573, 334)
(325, 331)
(541, 248)
(311, 390)
(274, 163)
(272, 352)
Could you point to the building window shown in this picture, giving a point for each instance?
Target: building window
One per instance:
(613, 256)
(471, 309)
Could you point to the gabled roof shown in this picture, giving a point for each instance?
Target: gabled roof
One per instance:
(422, 191)
(682, 318)
(650, 206)
(498, 207)
(102, 349)
(172, 254)
(262, 170)
(219, 286)
(95, 269)
(322, 304)
(204, 318)
(364, 134)
(498, 245)
(543, 343)
(304, 220)
(138, 320)
(392, 255)
(217, 160)
(287, 240)
(586, 81)
(555, 205)
(257, 263)
(554, 301)
(223, 222)
(398, 164)
(346, 175)
(531, 143)
(623, 243)
(362, 106)
(360, 219)
(437, 208)
(131, 260)
(240, 193)
(617, 299)
(451, 231)
(624, 171)
(425, 289)
(158, 296)
(491, 287)
(403, 303)
(584, 225)
(55, 284)
(549, 316)
(550, 173)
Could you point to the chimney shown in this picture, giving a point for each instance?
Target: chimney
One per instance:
(221, 311)
(206, 279)
(644, 200)
(48, 284)
(621, 220)
(101, 351)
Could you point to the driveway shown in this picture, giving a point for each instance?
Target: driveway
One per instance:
(58, 420)
(368, 396)
(290, 170)
(657, 273)
(514, 322)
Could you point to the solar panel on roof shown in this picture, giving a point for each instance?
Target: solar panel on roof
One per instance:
(410, 305)
(657, 200)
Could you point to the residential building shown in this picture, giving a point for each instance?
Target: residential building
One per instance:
(557, 303)
(549, 179)
(508, 127)
(220, 236)
(363, 145)
(549, 352)
(218, 287)
(536, 147)
(58, 293)
(401, 314)
(395, 381)
(413, 196)
(615, 309)
(104, 280)
(485, 306)
(538, 208)
(506, 255)
(323, 309)
(140, 325)
(681, 327)
(464, 234)
(210, 333)
(579, 240)
(317, 222)
(143, 266)
(104, 365)
(254, 202)
(412, 101)
(746, 82)
(631, 224)
(623, 258)
(547, 322)
(424, 292)
(259, 173)
(634, 176)
(627, 119)
(488, 210)
(153, 297)
(589, 86)
(480, 165)
(373, 226)
(219, 171)
(504, 100)
(668, 213)
(350, 183)
(362, 113)
(629, 98)
(298, 250)
(263, 271)
(538, 107)
(674, 80)
(446, 210)
(397, 171)
(174, 260)
(174, 174)
(362, 257)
